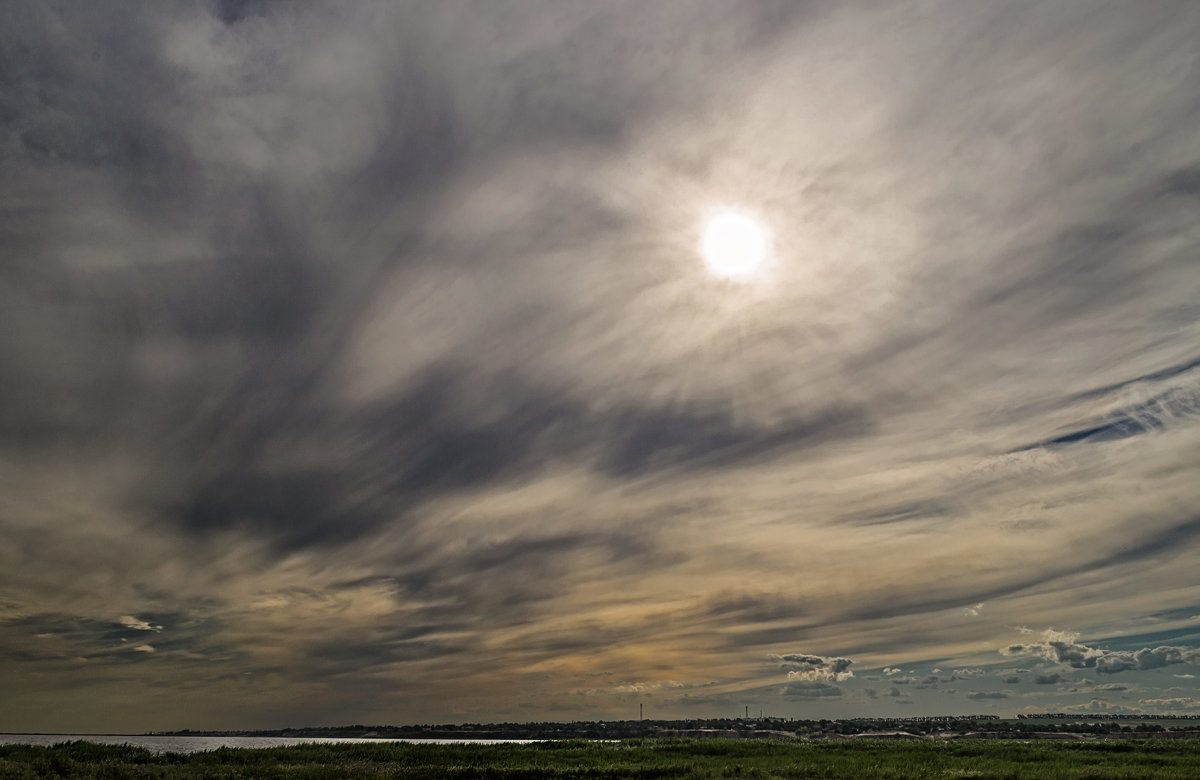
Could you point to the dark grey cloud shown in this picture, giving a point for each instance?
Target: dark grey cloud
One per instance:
(90, 100)
(424, 443)
(985, 695)
(540, 425)
(357, 654)
(233, 11)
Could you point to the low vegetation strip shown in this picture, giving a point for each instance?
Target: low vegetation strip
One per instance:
(637, 758)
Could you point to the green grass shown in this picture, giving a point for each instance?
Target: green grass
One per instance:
(637, 758)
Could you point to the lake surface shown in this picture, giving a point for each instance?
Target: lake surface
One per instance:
(190, 744)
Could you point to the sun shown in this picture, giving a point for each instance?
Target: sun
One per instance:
(734, 245)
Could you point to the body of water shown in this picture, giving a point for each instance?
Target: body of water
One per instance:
(190, 744)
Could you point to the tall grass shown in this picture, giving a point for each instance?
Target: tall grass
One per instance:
(638, 758)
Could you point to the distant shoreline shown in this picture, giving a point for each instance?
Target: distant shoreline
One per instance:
(1027, 726)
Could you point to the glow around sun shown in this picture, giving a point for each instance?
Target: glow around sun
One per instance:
(734, 245)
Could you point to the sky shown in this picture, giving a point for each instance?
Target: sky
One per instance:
(359, 362)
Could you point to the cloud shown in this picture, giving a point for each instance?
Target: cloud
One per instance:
(1097, 705)
(1048, 679)
(635, 689)
(1170, 408)
(1062, 647)
(143, 648)
(1057, 646)
(811, 668)
(812, 676)
(1176, 703)
(982, 695)
(1146, 658)
(1111, 687)
(810, 689)
(137, 624)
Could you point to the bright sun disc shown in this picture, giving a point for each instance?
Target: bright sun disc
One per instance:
(733, 245)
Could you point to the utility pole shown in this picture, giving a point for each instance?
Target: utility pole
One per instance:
(641, 715)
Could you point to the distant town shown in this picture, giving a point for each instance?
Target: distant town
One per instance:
(1023, 726)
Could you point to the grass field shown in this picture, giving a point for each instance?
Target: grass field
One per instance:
(631, 759)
